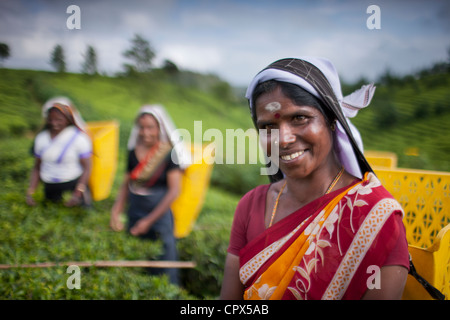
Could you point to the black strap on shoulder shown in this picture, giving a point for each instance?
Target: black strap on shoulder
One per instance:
(434, 293)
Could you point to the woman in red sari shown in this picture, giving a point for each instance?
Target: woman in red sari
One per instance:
(325, 228)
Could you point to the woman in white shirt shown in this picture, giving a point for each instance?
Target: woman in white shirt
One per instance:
(62, 155)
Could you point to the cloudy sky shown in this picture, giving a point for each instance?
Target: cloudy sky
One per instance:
(232, 38)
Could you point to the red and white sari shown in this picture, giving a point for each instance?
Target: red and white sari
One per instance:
(325, 249)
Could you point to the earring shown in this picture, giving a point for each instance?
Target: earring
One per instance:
(333, 126)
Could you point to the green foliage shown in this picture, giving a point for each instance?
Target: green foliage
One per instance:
(141, 54)
(18, 110)
(386, 115)
(52, 232)
(170, 67)
(4, 52)
(90, 62)
(58, 59)
(410, 113)
(95, 284)
(237, 179)
(207, 245)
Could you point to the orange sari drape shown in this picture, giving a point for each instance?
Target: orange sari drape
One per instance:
(323, 250)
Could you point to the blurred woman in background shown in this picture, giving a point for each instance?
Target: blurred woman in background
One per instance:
(63, 154)
(152, 182)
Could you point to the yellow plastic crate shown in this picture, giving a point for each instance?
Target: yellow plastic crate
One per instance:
(425, 198)
(105, 144)
(194, 186)
(381, 159)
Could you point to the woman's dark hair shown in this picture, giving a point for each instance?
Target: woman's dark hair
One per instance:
(294, 92)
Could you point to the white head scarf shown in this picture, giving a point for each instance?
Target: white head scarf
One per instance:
(79, 122)
(350, 105)
(167, 133)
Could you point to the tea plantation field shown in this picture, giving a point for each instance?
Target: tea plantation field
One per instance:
(410, 118)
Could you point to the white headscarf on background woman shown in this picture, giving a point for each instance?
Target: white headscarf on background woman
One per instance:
(349, 105)
(79, 122)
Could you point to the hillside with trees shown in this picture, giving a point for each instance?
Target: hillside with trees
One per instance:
(409, 115)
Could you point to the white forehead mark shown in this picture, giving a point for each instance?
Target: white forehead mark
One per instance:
(273, 106)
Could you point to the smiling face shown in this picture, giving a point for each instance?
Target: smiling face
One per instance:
(56, 121)
(148, 129)
(305, 139)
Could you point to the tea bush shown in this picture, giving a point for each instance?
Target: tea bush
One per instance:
(207, 245)
(50, 232)
(54, 233)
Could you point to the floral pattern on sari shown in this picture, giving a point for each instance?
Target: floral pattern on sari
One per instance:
(319, 257)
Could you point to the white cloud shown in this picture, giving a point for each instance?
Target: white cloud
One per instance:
(138, 21)
(195, 57)
(234, 39)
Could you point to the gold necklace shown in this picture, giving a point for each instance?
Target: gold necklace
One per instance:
(336, 179)
(331, 186)
(276, 204)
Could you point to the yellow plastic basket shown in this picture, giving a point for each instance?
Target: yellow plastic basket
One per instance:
(425, 198)
(381, 159)
(105, 143)
(194, 186)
